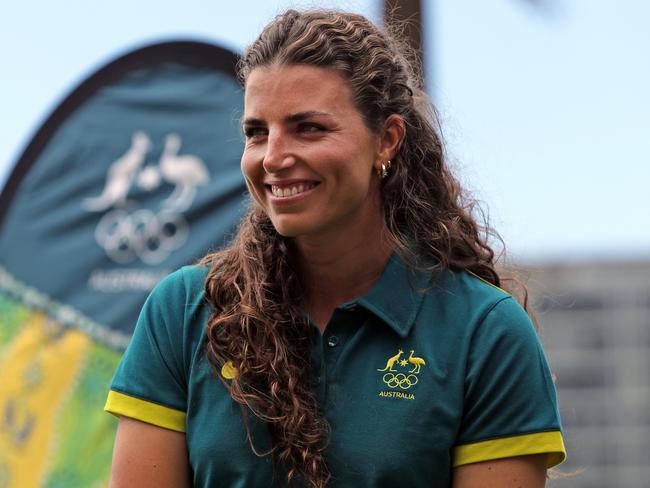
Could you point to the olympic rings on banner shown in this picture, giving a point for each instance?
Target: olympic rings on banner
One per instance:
(142, 234)
(400, 380)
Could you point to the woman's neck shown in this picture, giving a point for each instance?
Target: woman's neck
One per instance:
(341, 268)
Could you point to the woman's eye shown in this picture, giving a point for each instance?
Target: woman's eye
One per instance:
(305, 127)
(254, 132)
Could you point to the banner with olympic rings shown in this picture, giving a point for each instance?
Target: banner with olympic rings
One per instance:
(135, 174)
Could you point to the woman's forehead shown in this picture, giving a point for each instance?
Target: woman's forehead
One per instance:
(297, 88)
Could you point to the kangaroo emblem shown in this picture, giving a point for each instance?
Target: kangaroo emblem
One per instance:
(184, 171)
(391, 361)
(121, 175)
(416, 362)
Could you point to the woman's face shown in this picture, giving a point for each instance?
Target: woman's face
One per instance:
(309, 158)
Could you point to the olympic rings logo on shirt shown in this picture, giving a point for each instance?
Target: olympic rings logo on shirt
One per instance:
(400, 380)
(142, 234)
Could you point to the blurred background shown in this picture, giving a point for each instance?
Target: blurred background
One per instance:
(545, 111)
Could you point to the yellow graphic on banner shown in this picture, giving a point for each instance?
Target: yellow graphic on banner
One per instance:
(44, 360)
(401, 374)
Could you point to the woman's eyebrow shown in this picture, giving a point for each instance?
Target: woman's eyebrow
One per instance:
(253, 121)
(300, 116)
(289, 119)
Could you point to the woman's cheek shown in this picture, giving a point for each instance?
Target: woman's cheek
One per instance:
(253, 180)
(256, 190)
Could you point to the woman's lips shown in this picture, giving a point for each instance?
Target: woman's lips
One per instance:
(291, 190)
(288, 192)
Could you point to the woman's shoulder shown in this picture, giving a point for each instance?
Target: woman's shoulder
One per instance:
(187, 281)
(465, 287)
(178, 300)
(471, 300)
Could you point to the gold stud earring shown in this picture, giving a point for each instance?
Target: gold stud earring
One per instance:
(383, 171)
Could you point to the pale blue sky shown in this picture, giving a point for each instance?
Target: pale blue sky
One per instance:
(546, 112)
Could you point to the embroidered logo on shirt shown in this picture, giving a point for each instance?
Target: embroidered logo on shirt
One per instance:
(401, 374)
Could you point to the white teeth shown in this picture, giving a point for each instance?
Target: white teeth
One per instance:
(290, 190)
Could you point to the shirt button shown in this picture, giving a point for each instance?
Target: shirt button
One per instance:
(333, 341)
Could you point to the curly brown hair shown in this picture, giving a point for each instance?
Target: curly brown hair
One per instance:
(254, 286)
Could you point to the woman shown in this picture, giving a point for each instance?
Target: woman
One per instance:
(356, 319)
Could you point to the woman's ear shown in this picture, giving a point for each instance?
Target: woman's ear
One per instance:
(392, 136)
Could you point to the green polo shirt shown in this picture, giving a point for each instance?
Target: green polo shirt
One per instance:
(418, 376)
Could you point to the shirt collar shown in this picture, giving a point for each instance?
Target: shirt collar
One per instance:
(397, 295)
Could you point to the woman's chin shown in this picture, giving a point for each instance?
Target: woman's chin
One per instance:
(294, 225)
(291, 229)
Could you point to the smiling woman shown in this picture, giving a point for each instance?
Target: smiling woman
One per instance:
(309, 155)
(359, 245)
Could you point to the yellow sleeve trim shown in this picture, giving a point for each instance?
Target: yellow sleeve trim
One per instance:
(120, 405)
(521, 445)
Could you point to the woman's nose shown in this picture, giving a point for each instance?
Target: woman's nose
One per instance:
(278, 155)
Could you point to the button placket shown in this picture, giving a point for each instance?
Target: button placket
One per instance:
(330, 346)
(338, 331)
(318, 366)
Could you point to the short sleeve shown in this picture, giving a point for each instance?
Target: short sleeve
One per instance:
(150, 383)
(510, 407)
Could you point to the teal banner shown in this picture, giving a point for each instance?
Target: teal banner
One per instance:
(134, 175)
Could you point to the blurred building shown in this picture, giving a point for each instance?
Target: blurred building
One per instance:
(595, 326)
